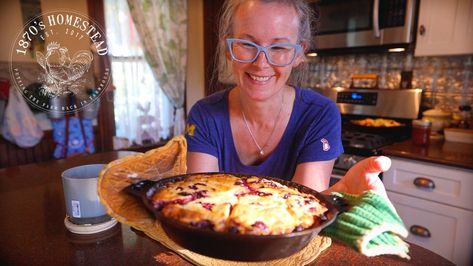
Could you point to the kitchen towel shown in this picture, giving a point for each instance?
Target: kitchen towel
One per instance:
(19, 125)
(371, 225)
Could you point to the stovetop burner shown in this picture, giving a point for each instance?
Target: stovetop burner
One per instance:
(363, 140)
(362, 143)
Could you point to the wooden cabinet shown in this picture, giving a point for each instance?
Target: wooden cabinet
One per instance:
(435, 203)
(451, 185)
(440, 228)
(445, 28)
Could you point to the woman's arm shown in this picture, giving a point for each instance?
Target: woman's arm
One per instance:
(361, 177)
(199, 162)
(315, 175)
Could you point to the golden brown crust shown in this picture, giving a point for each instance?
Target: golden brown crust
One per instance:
(378, 122)
(247, 205)
(261, 206)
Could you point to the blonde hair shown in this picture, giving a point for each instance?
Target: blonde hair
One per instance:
(306, 19)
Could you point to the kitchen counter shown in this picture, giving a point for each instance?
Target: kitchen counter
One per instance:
(442, 152)
(33, 232)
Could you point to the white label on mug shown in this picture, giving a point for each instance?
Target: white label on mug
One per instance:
(75, 208)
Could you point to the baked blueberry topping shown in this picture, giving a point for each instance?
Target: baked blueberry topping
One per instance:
(163, 203)
(207, 205)
(298, 228)
(199, 194)
(260, 226)
(257, 191)
(204, 224)
(194, 186)
(260, 193)
(194, 195)
(234, 229)
(254, 193)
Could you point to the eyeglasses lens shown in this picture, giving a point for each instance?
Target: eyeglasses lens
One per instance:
(278, 54)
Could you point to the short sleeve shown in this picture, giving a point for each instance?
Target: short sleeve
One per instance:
(199, 131)
(322, 140)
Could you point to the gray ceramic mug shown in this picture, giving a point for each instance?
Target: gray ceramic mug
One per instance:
(80, 193)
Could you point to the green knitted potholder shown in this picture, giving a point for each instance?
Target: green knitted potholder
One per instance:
(371, 226)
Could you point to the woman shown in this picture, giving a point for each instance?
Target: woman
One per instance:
(264, 125)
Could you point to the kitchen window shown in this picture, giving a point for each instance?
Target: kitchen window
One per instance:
(143, 113)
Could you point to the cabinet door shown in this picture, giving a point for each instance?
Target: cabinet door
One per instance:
(450, 229)
(435, 182)
(445, 28)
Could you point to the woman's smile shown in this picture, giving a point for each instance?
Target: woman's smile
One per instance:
(259, 78)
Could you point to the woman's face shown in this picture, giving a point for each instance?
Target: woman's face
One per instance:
(264, 24)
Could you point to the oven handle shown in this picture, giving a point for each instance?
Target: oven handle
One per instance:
(376, 18)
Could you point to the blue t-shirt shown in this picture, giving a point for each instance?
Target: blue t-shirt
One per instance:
(312, 134)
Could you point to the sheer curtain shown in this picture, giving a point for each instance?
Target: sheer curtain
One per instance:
(164, 25)
(143, 112)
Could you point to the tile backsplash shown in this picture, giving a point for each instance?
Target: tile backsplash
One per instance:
(446, 81)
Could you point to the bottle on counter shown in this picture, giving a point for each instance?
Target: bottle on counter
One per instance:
(465, 116)
(421, 132)
(406, 73)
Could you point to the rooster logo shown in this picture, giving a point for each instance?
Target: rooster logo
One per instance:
(62, 72)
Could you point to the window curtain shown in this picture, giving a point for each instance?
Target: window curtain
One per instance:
(143, 112)
(162, 26)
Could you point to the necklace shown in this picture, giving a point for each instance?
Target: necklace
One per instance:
(261, 149)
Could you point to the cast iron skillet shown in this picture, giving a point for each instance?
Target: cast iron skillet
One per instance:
(232, 246)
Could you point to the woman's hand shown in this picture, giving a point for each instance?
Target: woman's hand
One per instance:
(363, 176)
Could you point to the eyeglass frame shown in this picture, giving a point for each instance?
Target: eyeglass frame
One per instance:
(263, 49)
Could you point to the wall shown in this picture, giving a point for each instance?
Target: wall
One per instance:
(11, 21)
(195, 49)
(447, 81)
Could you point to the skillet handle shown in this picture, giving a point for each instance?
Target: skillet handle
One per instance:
(140, 188)
(340, 204)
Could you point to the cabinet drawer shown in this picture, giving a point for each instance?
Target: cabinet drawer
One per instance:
(450, 229)
(452, 186)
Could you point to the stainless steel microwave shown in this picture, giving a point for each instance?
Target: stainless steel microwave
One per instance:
(364, 23)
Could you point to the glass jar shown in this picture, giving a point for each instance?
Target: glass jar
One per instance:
(421, 132)
(465, 116)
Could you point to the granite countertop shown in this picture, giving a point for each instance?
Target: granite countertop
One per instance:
(442, 152)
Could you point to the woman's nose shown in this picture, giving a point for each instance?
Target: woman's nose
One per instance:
(261, 60)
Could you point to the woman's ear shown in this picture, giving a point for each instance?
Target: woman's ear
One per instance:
(301, 55)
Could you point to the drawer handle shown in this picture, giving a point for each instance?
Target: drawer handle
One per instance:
(422, 30)
(420, 231)
(424, 182)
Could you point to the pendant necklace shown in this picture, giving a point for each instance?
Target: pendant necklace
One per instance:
(261, 149)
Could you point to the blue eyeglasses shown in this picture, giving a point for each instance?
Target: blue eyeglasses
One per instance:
(280, 54)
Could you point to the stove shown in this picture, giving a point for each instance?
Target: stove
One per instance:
(364, 143)
(361, 142)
